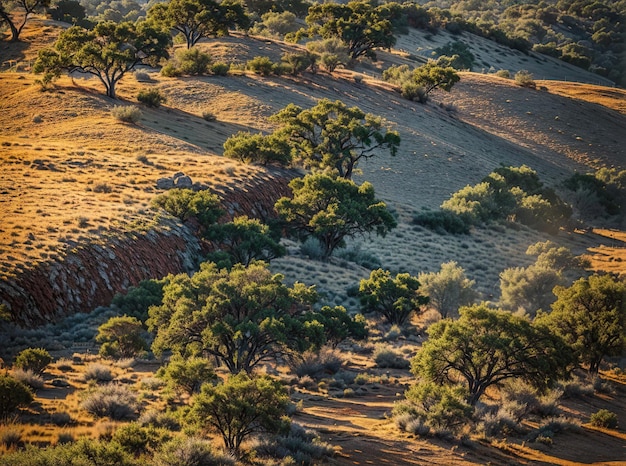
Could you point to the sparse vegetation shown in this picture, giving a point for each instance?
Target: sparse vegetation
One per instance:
(604, 418)
(151, 97)
(33, 359)
(126, 113)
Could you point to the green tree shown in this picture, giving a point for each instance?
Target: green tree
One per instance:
(196, 19)
(338, 325)
(360, 24)
(33, 359)
(591, 316)
(121, 337)
(187, 203)
(448, 289)
(433, 76)
(187, 374)
(396, 299)
(330, 209)
(15, 14)
(246, 240)
(241, 316)
(13, 395)
(330, 134)
(485, 347)
(529, 288)
(258, 148)
(108, 51)
(240, 407)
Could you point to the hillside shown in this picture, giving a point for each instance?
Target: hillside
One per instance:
(77, 225)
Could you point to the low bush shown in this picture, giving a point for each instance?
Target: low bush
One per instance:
(189, 451)
(260, 65)
(154, 418)
(170, 71)
(525, 79)
(301, 445)
(33, 359)
(385, 357)
(98, 372)
(126, 113)
(604, 418)
(317, 365)
(151, 97)
(219, 68)
(13, 395)
(28, 377)
(503, 74)
(10, 436)
(113, 401)
(193, 61)
(442, 221)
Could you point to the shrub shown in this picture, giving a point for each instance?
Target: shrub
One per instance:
(209, 116)
(154, 418)
(13, 395)
(525, 79)
(151, 97)
(260, 65)
(604, 418)
(442, 221)
(187, 375)
(220, 68)
(186, 203)
(189, 451)
(114, 401)
(170, 71)
(312, 248)
(126, 113)
(138, 299)
(138, 440)
(98, 372)
(385, 357)
(504, 422)
(193, 61)
(317, 364)
(33, 359)
(10, 436)
(121, 337)
(302, 445)
(503, 74)
(28, 377)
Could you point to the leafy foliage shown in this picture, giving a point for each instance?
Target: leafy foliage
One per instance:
(330, 209)
(16, 13)
(485, 347)
(258, 148)
(138, 299)
(337, 324)
(187, 374)
(196, 19)
(114, 401)
(151, 97)
(13, 395)
(330, 134)
(121, 337)
(33, 359)
(108, 51)
(604, 418)
(241, 316)
(591, 316)
(396, 299)
(448, 289)
(187, 203)
(246, 240)
(240, 407)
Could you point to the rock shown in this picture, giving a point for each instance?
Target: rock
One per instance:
(165, 183)
(59, 383)
(183, 182)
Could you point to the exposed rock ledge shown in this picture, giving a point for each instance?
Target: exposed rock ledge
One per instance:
(90, 274)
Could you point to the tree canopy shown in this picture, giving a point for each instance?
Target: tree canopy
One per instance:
(108, 51)
(360, 24)
(240, 407)
(241, 316)
(196, 19)
(16, 12)
(485, 347)
(121, 337)
(331, 134)
(448, 289)
(591, 316)
(394, 298)
(330, 208)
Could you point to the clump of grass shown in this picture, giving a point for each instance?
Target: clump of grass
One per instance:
(126, 113)
(525, 79)
(61, 418)
(116, 402)
(151, 97)
(317, 365)
(98, 372)
(385, 357)
(29, 377)
(10, 435)
(102, 188)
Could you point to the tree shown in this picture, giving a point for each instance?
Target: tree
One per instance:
(241, 317)
(448, 289)
(240, 407)
(338, 325)
(394, 298)
(109, 51)
(258, 148)
(121, 337)
(16, 12)
(202, 205)
(196, 19)
(433, 76)
(529, 288)
(13, 395)
(330, 209)
(485, 347)
(332, 135)
(187, 375)
(33, 359)
(591, 316)
(246, 240)
(361, 25)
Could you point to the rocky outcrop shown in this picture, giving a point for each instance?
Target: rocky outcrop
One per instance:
(89, 275)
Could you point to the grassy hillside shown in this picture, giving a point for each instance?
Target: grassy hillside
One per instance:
(73, 174)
